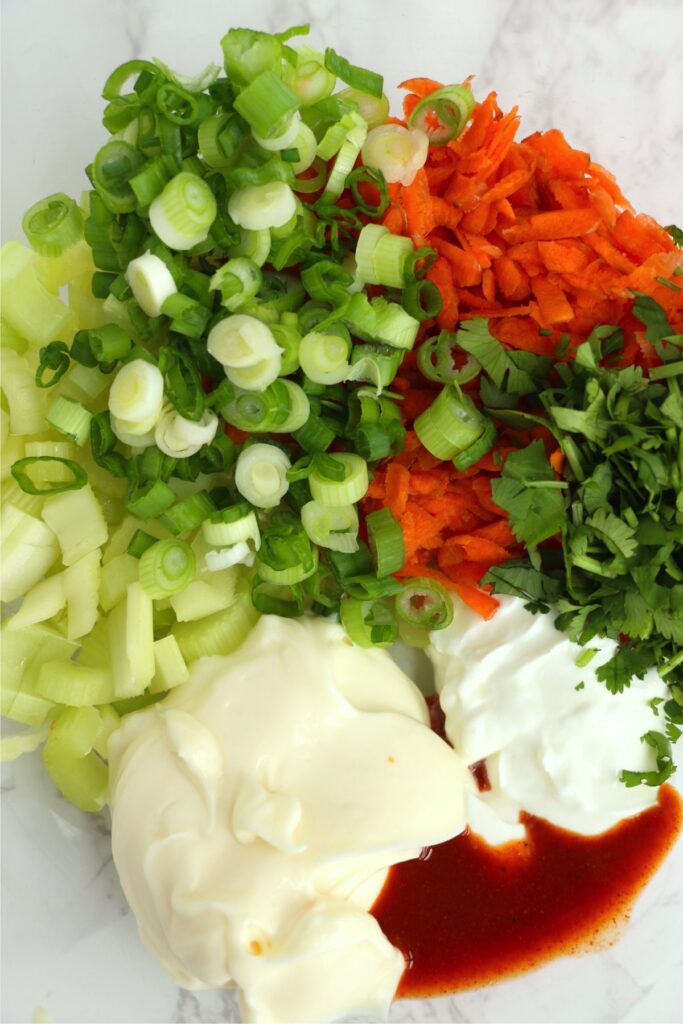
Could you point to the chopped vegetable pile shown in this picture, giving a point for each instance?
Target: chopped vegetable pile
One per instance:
(255, 400)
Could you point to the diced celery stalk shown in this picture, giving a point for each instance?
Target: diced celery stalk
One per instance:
(12, 747)
(201, 597)
(171, 669)
(121, 537)
(89, 311)
(116, 575)
(12, 492)
(110, 723)
(12, 451)
(42, 602)
(81, 587)
(77, 520)
(75, 685)
(220, 633)
(29, 549)
(55, 271)
(27, 305)
(76, 771)
(27, 403)
(84, 383)
(95, 646)
(10, 339)
(21, 655)
(131, 642)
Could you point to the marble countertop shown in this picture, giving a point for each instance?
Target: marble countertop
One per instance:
(605, 71)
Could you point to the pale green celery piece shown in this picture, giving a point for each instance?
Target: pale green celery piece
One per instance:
(131, 642)
(11, 340)
(78, 773)
(88, 311)
(43, 601)
(29, 549)
(95, 646)
(82, 587)
(75, 685)
(116, 574)
(27, 305)
(220, 633)
(76, 518)
(12, 493)
(27, 403)
(171, 669)
(84, 383)
(205, 596)
(74, 262)
(110, 723)
(12, 747)
(21, 655)
(12, 451)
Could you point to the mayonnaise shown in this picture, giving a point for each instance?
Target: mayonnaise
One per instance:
(256, 811)
(554, 738)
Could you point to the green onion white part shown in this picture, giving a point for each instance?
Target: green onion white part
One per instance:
(151, 282)
(262, 206)
(324, 358)
(261, 475)
(184, 212)
(181, 438)
(397, 152)
(137, 395)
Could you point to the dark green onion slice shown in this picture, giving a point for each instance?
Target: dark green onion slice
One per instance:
(385, 538)
(425, 603)
(20, 473)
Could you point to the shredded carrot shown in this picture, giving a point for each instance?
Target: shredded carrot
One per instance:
(533, 236)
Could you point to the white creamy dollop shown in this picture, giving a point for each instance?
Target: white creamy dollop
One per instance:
(508, 689)
(256, 811)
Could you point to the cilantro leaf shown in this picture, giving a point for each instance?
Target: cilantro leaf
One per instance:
(531, 496)
(661, 744)
(512, 371)
(652, 316)
(626, 662)
(539, 589)
(676, 234)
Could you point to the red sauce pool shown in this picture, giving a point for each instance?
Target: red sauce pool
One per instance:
(467, 914)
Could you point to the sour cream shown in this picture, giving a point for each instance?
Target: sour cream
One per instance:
(255, 813)
(554, 738)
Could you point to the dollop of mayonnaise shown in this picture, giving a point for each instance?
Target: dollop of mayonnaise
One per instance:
(256, 811)
(554, 738)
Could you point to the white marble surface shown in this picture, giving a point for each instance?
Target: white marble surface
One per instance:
(608, 73)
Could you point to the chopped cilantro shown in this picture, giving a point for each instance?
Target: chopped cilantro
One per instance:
(676, 234)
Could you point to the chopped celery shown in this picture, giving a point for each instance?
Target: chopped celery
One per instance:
(95, 647)
(29, 549)
(76, 519)
(10, 339)
(27, 305)
(116, 575)
(12, 451)
(50, 472)
(42, 602)
(27, 403)
(77, 772)
(131, 642)
(55, 271)
(12, 747)
(121, 537)
(204, 597)
(22, 654)
(75, 685)
(220, 633)
(12, 493)
(170, 667)
(110, 723)
(81, 587)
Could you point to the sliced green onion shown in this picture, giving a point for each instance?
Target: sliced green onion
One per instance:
(368, 623)
(70, 418)
(346, 492)
(358, 78)
(102, 445)
(344, 163)
(276, 599)
(373, 109)
(262, 206)
(436, 360)
(385, 538)
(113, 167)
(188, 316)
(443, 114)
(150, 500)
(247, 350)
(333, 528)
(396, 151)
(324, 357)
(422, 299)
(152, 178)
(53, 225)
(232, 525)
(108, 343)
(377, 364)
(53, 357)
(393, 326)
(478, 450)
(78, 479)
(288, 339)
(451, 424)
(261, 475)
(140, 542)
(184, 212)
(189, 513)
(151, 282)
(315, 435)
(182, 382)
(266, 104)
(137, 395)
(166, 568)
(238, 281)
(424, 603)
(309, 80)
(254, 244)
